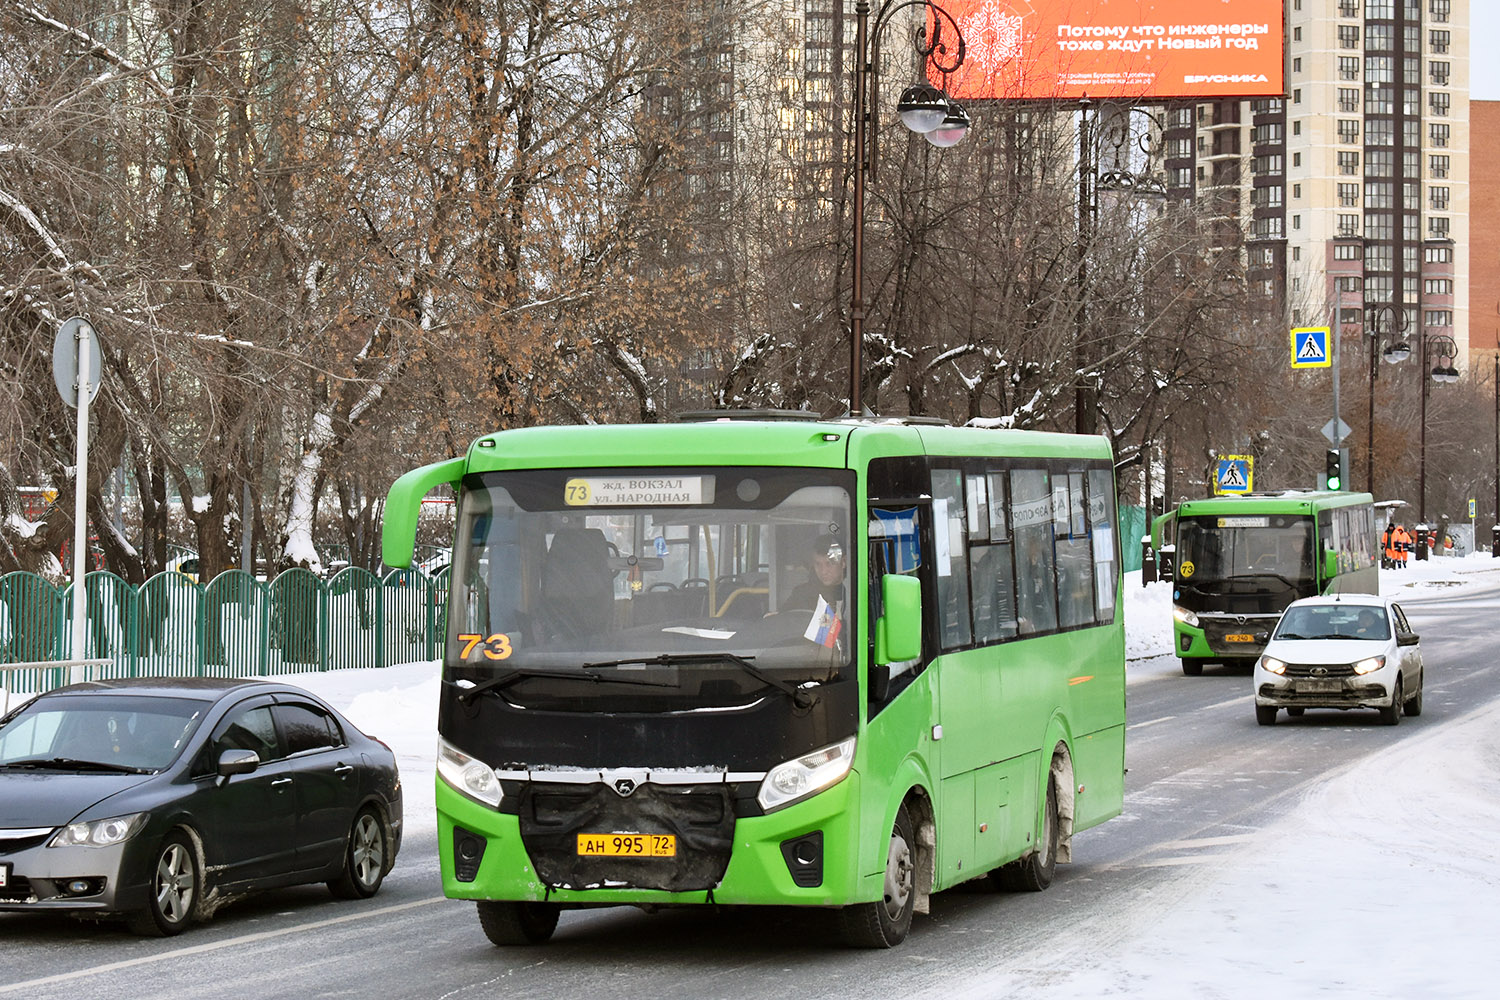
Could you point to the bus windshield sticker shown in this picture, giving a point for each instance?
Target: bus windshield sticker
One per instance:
(494, 647)
(637, 491)
(1244, 522)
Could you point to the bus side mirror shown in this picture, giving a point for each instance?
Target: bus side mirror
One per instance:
(898, 633)
(1330, 565)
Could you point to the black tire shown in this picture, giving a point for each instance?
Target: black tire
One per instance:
(1413, 705)
(886, 922)
(1295, 713)
(1391, 714)
(1265, 714)
(175, 887)
(365, 858)
(508, 923)
(1035, 871)
(1192, 668)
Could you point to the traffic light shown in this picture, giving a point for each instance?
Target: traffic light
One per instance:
(1331, 465)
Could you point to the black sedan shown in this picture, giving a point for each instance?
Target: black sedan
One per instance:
(162, 799)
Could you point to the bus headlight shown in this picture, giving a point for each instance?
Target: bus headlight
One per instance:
(1272, 664)
(474, 778)
(807, 775)
(1369, 665)
(1185, 616)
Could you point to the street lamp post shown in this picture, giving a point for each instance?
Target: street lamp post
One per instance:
(1445, 350)
(923, 108)
(1394, 353)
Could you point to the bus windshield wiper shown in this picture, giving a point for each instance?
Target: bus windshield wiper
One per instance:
(73, 764)
(522, 673)
(800, 697)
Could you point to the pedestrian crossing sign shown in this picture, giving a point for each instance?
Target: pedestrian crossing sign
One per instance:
(1310, 347)
(1236, 474)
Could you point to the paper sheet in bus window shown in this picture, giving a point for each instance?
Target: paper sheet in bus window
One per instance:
(944, 549)
(1244, 522)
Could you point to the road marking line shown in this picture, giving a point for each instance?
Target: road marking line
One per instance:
(1234, 838)
(1221, 704)
(1152, 722)
(201, 949)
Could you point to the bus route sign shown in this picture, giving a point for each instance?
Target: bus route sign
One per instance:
(1235, 474)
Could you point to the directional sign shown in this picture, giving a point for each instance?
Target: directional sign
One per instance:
(1471, 508)
(1236, 474)
(1310, 347)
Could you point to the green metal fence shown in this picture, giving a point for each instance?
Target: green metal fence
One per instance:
(234, 626)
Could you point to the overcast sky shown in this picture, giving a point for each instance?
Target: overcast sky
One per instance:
(1484, 81)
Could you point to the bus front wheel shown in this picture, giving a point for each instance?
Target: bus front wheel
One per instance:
(885, 922)
(507, 923)
(1192, 668)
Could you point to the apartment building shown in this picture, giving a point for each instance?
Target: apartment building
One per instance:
(1352, 189)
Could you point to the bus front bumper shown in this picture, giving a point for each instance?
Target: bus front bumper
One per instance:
(813, 842)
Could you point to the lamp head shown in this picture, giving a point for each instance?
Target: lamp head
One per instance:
(954, 127)
(922, 107)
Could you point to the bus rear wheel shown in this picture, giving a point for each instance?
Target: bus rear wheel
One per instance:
(507, 923)
(1035, 872)
(886, 922)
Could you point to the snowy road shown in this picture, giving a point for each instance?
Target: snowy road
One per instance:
(1250, 861)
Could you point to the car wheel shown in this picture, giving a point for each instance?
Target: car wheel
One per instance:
(1035, 872)
(1391, 715)
(1413, 705)
(1295, 713)
(364, 859)
(886, 922)
(507, 923)
(173, 898)
(1192, 668)
(1265, 714)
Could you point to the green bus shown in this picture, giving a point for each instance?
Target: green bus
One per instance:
(748, 660)
(1239, 561)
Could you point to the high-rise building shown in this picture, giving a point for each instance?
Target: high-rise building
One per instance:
(1352, 190)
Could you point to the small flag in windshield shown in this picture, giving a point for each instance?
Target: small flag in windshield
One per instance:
(825, 626)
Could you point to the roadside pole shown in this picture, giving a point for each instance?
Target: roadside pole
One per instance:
(76, 369)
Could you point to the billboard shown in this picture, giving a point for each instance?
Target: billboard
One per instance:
(1125, 50)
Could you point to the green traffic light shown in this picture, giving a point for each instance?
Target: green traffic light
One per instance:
(1333, 483)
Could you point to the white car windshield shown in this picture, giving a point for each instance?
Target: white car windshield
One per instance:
(1334, 621)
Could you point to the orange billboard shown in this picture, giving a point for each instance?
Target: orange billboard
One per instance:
(1113, 49)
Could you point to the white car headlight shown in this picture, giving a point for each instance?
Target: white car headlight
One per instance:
(1272, 664)
(474, 778)
(1369, 664)
(1185, 616)
(99, 832)
(811, 773)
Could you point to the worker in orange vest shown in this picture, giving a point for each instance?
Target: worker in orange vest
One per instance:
(1405, 543)
(1388, 551)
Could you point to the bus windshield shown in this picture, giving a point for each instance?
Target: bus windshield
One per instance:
(1211, 550)
(648, 588)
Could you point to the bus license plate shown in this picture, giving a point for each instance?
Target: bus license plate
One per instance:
(1239, 637)
(1318, 687)
(627, 845)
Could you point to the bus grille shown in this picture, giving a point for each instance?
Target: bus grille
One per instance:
(1216, 631)
(701, 818)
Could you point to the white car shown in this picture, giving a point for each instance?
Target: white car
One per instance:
(1340, 651)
